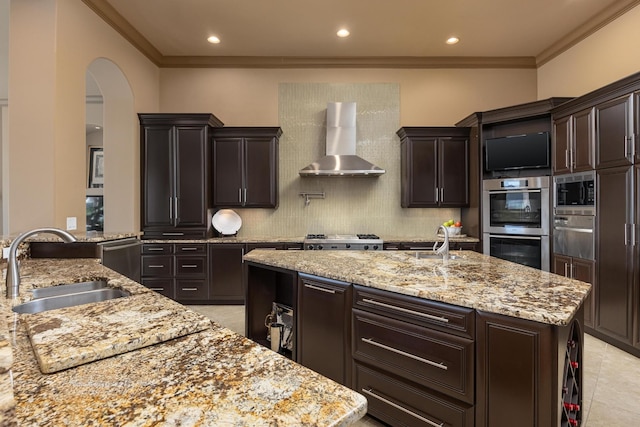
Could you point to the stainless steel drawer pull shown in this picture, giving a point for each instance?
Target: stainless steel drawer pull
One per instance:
(318, 288)
(188, 249)
(155, 249)
(172, 234)
(189, 289)
(157, 289)
(404, 353)
(157, 266)
(405, 410)
(189, 266)
(406, 310)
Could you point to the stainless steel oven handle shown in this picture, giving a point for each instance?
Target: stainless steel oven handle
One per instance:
(370, 392)
(519, 237)
(514, 191)
(577, 230)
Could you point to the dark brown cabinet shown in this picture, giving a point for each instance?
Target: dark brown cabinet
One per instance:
(245, 165)
(614, 133)
(573, 142)
(324, 325)
(177, 271)
(175, 174)
(434, 167)
(427, 246)
(583, 270)
(614, 252)
(225, 273)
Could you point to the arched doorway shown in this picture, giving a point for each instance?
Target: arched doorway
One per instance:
(121, 154)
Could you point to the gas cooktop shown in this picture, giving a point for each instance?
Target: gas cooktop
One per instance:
(361, 242)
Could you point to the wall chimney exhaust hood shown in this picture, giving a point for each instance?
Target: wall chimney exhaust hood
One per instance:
(341, 158)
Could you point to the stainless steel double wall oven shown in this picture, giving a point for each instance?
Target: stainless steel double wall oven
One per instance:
(516, 220)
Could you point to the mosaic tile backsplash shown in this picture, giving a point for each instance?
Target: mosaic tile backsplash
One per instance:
(351, 204)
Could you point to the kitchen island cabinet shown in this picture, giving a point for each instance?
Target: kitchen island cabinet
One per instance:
(430, 336)
(212, 377)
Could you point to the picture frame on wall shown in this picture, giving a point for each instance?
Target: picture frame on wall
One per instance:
(96, 167)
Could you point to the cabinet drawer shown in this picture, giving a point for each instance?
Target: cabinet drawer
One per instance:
(444, 317)
(157, 266)
(191, 266)
(175, 234)
(430, 358)
(191, 249)
(191, 290)
(398, 403)
(161, 286)
(157, 248)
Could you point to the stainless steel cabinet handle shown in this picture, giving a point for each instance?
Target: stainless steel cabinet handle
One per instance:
(406, 310)
(441, 194)
(189, 289)
(157, 266)
(571, 271)
(565, 269)
(404, 353)
(405, 410)
(175, 206)
(566, 158)
(189, 266)
(318, 288)
(189, 249)
(240, 195)
(154, 249)
(157, 289)
(173, 234)
(244, 198)
(171, 208)
(437, 194)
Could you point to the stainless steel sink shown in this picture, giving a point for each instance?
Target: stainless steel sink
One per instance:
(71, 288)
(430, 255)
(69, 300)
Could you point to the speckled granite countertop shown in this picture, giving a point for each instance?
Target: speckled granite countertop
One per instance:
(471, 280)
(300, 239)
(211, 377)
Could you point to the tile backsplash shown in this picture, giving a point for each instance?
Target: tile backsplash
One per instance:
(351, 204)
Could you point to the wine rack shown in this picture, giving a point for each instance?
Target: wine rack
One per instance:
(571, 405)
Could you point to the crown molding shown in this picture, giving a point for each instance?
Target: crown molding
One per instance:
(346, 62)
(579, 34)
(111, 16)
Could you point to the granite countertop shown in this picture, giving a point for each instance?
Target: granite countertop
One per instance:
(211, 377)
(471, 280)
(300, 239)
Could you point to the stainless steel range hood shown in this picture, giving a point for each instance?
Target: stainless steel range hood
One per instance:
(341, 158)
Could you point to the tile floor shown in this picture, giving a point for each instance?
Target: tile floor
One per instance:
(611, 376)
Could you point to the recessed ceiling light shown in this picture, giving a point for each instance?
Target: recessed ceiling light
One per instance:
(343, 32)
(213, 39)
(452, 40)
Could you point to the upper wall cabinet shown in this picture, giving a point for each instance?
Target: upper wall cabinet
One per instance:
(245, 167)
(434, 167)
(614, 133)
(175, 174)
(573, 142)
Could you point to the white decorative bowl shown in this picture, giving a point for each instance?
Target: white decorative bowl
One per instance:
(454, 231)
(226, 222)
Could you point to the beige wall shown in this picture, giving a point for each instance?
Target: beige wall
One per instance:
(428, 97)
(51, 44)
(608, 55)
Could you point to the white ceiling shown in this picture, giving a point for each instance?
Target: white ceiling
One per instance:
(379, 28)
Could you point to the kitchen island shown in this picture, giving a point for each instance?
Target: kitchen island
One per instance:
(209, 377)
(472, 340)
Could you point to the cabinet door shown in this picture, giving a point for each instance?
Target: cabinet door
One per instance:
(324, 327)
(582, 141)
(191, 187)
(158, 176)
(584, 270)
(422, 173)
(227, 172)
(561, 145)
(613, 133)
(561, 265)
(260, 173)
(225, 273)
(454, 172)
(614, 253)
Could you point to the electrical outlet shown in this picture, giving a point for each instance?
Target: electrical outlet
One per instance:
(5, 253)
(72, 223)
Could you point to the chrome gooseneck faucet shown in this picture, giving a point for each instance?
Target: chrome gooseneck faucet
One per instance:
(444, 248)
(13, 273)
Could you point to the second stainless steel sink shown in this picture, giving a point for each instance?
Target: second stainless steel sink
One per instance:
(69, 300)
(71, 288)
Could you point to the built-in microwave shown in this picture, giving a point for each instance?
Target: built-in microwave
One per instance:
(575, 193)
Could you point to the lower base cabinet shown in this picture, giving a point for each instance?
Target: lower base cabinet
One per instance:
(225, 273)
(325, 328)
